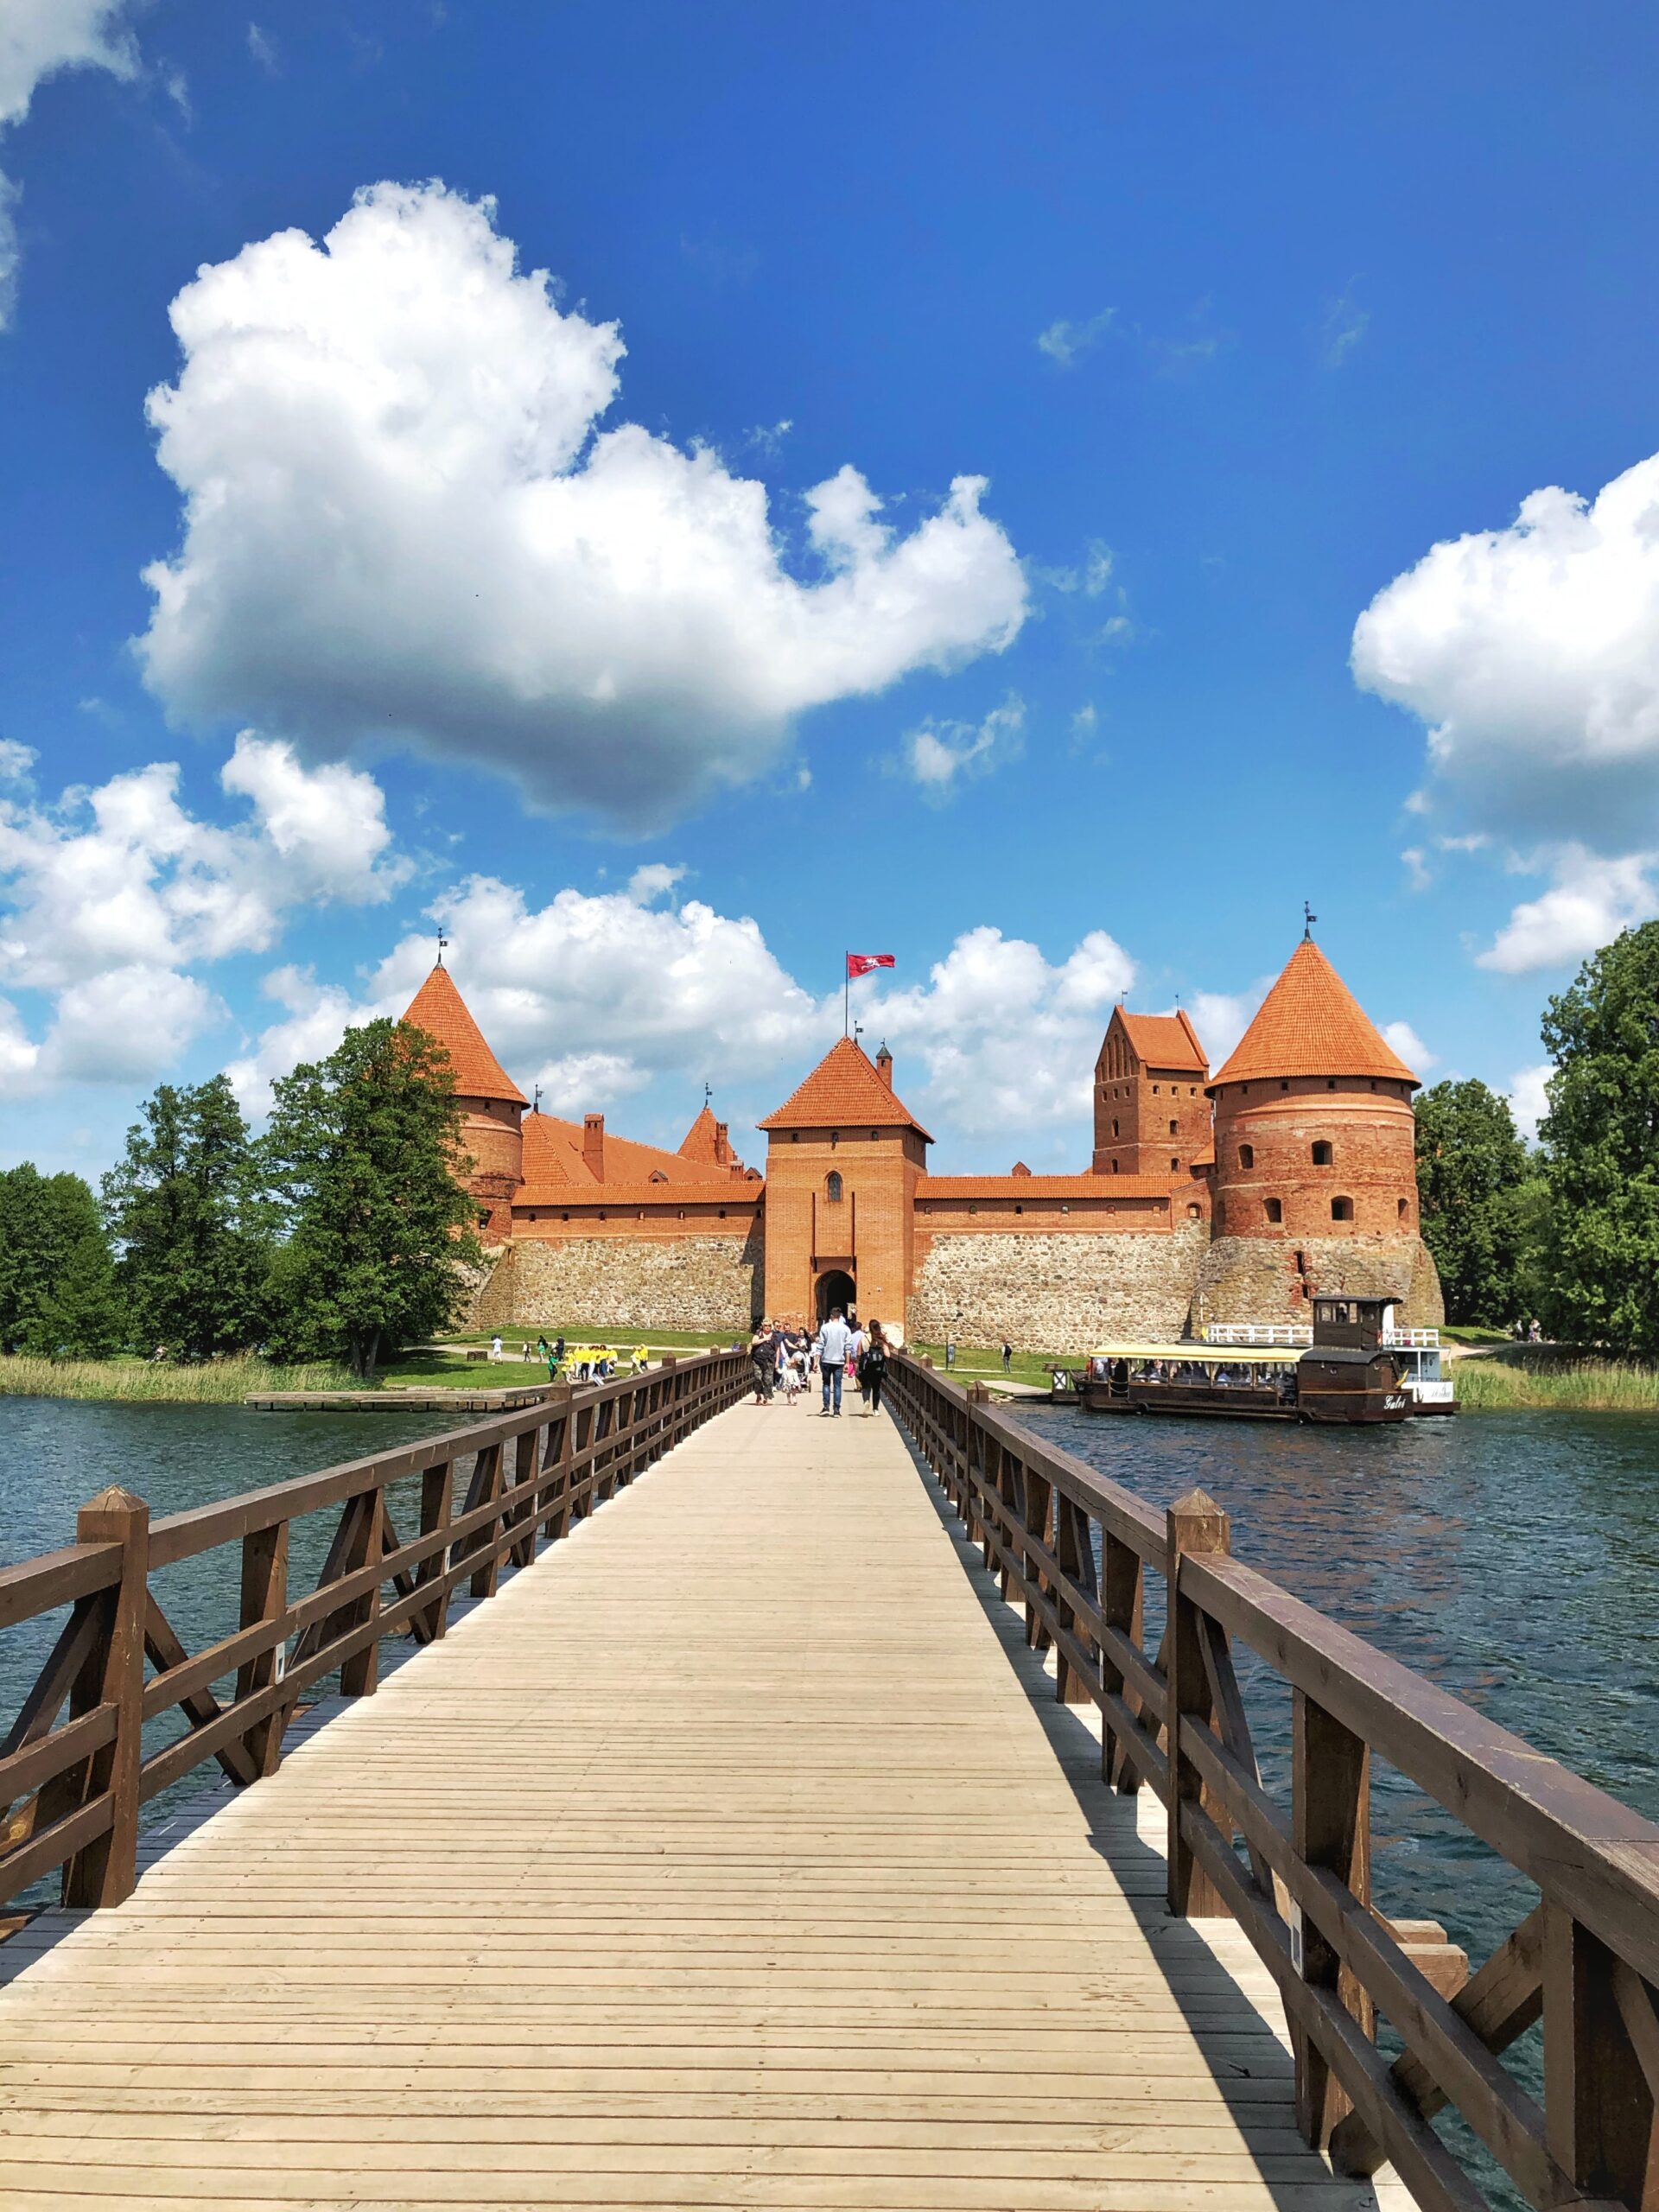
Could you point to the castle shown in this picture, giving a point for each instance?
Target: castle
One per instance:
(1225, 1197)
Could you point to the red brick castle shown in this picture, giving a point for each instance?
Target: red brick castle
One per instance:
(1228, 1197)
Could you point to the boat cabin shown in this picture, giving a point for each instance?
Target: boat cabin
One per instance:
(1362, 1324)
(1322, 1382)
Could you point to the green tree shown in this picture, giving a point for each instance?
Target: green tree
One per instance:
(363, 1149)
(56, 1290)
(1601, 1148)
(186, 1210)
(1471, 1166)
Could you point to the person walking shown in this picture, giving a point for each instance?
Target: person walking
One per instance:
(495, 1348)
(1008, 1359)
(950, 1352)
(763, 1357)
(872, 1369)
(834, 1339)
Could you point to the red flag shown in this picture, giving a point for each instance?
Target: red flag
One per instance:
(860, 963)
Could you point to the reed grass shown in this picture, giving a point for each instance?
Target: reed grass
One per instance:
(216, 1383)
(1584, 1386)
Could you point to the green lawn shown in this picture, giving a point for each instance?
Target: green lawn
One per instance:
(590, 1333)
(983, 1363)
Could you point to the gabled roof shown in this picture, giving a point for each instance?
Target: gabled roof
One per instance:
(1164, 1040)
(439, 1008)
(554, 1155)
(1310, 1023)
(843, 1088)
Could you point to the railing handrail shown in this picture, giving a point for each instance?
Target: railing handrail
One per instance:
(75, 1788)
(1586, 1959)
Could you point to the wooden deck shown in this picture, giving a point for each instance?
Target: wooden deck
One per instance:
(722, 1860)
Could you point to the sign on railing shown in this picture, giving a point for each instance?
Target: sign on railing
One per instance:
(1075, 1549)
(71, 1792)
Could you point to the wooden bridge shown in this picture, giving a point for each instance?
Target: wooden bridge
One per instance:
(804, 1829)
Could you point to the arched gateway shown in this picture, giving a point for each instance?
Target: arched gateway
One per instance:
(835, 1288)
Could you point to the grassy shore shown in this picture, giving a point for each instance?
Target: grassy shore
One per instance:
(216, 1383)
(1550, 1383)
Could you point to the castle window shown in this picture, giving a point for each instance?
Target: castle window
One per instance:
(1275, 1208)
(722, 1213)
(1322, 1153)
(1065, 1209)
(973, 1205)
(1155, 1090)
(1301, 1263)
(564, 1216)
(832, 1187)
(1019, 1209)
(1193, 1213)
(1342, 1208)
(1284, 1086)
(1330, 1083)
(1114, 1129)
(1402, 1208)
(1114, 1167)
(1247, 1155)
(1173, 1165)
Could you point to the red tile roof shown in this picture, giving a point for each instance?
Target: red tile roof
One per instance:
(707, 1145)
(1310, 1023)
(554, 1155)
(439, 1009)
(1023, 1188)
(1165, 1040)
(843, 1090)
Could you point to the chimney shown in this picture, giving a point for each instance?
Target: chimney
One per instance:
(884, 1064)
(722, 1145)
(593, 1145)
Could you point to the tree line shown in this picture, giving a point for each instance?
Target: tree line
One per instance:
(337, 1235)
(1569, 1234)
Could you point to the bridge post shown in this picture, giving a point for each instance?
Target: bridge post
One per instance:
(1331, 1826)
(1601, 2062)
(106, 1871)
(1194, 1523)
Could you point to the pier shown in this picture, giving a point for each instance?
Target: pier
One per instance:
(705, 1806)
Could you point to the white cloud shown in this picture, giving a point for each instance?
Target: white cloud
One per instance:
(655, 880)
(38, 38)
(1062, 341)
(1221, 1017)
(1532, 653)
(1344, 324)
(108, 898)
(1418, 874)
(15, 760)
(263, 47)
(1529, 1099)
(1007, 1041)
(1402, 1039)
(403, 520)
(939, 754)
(1591, 900)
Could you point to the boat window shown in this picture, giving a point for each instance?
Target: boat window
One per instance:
(1276, 1211)
(1322, 1153)
(1247, 1155)
(1342, 1208)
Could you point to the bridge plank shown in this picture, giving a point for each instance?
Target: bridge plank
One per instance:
(737, 1853)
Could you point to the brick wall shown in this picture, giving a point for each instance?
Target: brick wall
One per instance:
(1269, 1182)
(1059, 1292)
(705, 1281)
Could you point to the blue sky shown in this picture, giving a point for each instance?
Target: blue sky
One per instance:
(1250, 321)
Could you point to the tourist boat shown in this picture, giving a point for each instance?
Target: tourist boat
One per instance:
(1359, 1321)
(1326, 1384)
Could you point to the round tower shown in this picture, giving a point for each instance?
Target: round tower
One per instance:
(492, 1106)
(1315, 1180)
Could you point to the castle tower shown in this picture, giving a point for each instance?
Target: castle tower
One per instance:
(1152, 1112)
(844, 1157)
(1315, 1181)
(492, 1106)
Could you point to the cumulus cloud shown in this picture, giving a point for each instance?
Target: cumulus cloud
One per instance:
(108, 898)
(1402, 1039)
(1532, 653)
(38, 38)
(1530, 1097)
(1221, 1017)
(403, 519)
(940, 755)
(1589, 902)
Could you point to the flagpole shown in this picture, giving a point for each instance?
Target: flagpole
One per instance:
(846, 992)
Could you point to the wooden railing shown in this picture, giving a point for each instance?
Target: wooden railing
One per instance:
(1075, 1549)
(71, 1791)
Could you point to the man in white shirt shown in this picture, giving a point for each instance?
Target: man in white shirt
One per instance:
(834, 1338)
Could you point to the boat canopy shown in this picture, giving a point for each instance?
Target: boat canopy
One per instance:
(1204, 1355)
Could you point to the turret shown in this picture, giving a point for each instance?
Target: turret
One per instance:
(492, 1105)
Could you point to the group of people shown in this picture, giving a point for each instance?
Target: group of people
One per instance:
(580, 1363)
(844, 1352)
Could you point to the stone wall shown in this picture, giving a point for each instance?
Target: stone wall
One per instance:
(1058, 1293)
(1254, 1279)
(614, 1282)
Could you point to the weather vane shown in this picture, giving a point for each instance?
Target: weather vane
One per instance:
(535, 1099)
(707, 1094)
(443, 941)
(1310, 918)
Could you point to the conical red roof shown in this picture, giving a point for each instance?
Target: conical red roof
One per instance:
(702, 1141)
(1310, 1023)
(844, 1088)
(439, 1008)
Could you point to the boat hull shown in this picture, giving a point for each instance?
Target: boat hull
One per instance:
(1333, 1408)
